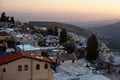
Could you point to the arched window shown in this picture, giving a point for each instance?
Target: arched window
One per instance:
(73, 61)
(62, 61)
(19, 68)
(37, 67)
(46, 66)
(26, 67)
(4, 70)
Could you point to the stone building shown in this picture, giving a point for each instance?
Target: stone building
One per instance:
(24, 66)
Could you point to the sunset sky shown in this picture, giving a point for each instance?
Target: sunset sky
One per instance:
(62, 9)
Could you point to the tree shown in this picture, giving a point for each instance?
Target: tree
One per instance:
(80, 52)
(92, 46)
(63, 36)
(10, 42)
(12, 20)
(50, 31)
(3, 17)
(41, 42)
(7, 19)
(69, 47)
(56, 31)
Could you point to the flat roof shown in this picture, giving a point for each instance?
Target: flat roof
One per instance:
(76, 69)
(10, 49)
(30, 47)
(93, 77)
(63, 76)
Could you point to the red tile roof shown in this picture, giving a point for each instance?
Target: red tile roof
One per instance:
(9, 57)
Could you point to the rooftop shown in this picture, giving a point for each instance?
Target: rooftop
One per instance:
(63, 76)
(30, 47)
(74, 69)
(9, 57)
(93, 77)
(24, 31)
(65, 56)
(27, 47)
(3, 33)
(112, 57)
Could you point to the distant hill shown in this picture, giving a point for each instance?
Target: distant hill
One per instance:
(110, 32)
(100, 23)
(68, 27)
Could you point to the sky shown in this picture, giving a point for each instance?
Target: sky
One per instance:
(61, 10)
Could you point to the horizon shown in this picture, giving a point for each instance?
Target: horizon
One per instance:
(69, 11)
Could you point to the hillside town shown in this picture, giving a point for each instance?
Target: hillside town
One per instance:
(29, 52)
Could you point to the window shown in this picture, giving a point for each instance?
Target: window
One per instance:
(4, 70)
(19, 68)
(73, 61)
(46, 66)
(26, 67)
(62, 61)
(37, 67)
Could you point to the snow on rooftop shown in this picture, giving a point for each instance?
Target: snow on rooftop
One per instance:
(116, 59)
(27, 47)
(83, 62)
(10, 50)
(55, 50)
(93, 77)
(22, 35)
(47, 48)
(63, 76)
(19, 35)
(114, 55)
(51, 58)
(74, 69)
(30, 47)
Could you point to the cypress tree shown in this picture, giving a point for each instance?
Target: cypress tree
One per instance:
(50, 31)
(56, 31)
(92, 46)
(12, 20)
(3, 17)
(69, 47)
(63, 36)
